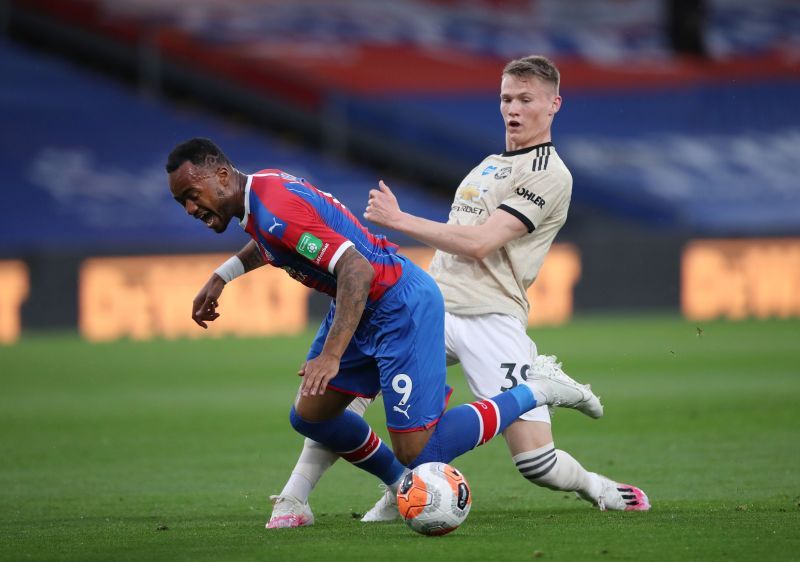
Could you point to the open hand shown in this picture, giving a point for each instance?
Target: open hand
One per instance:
(317, 373)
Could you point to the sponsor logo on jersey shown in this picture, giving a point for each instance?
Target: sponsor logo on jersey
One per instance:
(468, 209)
(309, 245)
(488, 170)
(294, 274)
(530, 196)
(470, 193)
(264, 252)
(503, 173)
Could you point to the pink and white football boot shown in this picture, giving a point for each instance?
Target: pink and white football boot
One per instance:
(288, 512)
(616, 496)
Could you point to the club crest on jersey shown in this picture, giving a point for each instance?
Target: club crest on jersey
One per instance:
(503, 173)
(309, 245)
(470, 193)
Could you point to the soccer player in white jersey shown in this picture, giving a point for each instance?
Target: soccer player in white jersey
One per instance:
(504, 217)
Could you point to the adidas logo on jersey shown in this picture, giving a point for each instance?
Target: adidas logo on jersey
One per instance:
(542, 157)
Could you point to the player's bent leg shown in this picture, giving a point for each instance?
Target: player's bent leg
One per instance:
(346, 434)
(537, 459)
(290, 507)
(465, 427)
(556, 470)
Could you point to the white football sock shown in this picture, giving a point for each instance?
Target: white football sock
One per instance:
(315, 460)
(557, 470)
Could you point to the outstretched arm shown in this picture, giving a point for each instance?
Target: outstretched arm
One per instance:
(204, 305)
(474, 241)
(353, 279)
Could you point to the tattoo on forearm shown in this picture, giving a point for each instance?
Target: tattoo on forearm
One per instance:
(251, 257)
(352, 289)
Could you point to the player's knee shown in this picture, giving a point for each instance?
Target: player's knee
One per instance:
(405, 457)
(406, 452)
(297, 422)
(408, 446)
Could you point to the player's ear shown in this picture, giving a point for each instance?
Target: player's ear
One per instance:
(555, 105)
(223, 175)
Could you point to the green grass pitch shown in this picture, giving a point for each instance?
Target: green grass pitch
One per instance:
(168, 451)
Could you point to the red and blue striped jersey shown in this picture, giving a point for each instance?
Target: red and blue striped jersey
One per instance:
(305, 231)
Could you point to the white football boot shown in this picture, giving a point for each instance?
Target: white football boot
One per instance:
(552, 386)
(385, 509)
(288, 512)
(615, 496)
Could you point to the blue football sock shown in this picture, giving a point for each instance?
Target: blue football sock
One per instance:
(350, 437)
(465, 427)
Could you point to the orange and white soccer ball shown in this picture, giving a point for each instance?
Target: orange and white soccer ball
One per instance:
(434, 498)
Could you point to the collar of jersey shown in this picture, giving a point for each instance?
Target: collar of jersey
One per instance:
(528, 149)
(243, 222)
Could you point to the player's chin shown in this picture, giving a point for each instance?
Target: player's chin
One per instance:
(220, 225)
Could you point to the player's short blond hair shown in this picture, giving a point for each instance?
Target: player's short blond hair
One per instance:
(534, 65)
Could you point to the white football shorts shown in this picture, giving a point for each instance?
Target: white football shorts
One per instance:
(495, 353)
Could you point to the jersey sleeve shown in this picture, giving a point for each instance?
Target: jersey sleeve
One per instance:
(534, 196)
(308, 236)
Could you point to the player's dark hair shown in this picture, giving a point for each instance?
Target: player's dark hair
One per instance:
(198, 151)
(534, 65)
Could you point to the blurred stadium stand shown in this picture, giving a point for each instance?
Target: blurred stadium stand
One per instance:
(680, 117)
(676, 141)
(86, 164)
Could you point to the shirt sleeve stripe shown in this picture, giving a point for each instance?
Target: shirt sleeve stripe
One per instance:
(338, 255)
(525, 220)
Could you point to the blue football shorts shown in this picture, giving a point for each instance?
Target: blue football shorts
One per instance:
(397, 349)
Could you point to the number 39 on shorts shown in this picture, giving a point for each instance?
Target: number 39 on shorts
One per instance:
(513, 376)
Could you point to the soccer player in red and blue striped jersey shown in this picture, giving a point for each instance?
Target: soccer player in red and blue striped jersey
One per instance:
(385, 328)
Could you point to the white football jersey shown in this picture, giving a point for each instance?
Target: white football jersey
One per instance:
(535, 186)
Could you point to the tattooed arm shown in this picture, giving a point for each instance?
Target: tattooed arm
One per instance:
(204, 305)
(353, 279)
(251, 256)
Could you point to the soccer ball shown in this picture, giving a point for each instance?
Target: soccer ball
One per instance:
(434, 498)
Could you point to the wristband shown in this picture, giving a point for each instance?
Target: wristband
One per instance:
(231, 269)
